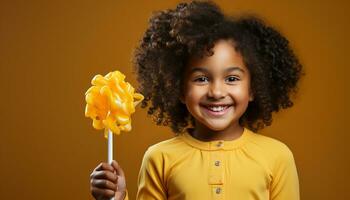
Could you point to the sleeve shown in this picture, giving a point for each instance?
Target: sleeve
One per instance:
(151, 177)
(285, 182)
(126, 195)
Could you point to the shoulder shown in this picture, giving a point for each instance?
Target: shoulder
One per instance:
(160, 156)
(275, 150)
(165, 149)
(270, 144)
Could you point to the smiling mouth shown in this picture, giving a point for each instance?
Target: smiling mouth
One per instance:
(216, 110)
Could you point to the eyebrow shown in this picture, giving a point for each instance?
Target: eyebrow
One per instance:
(230, 69)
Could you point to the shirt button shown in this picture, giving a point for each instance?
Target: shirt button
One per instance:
(217, 163)
(218, 190)
(220, 144)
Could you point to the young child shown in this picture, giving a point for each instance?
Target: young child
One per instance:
(215, 80)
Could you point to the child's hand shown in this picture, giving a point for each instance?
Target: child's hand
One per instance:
(108, 181)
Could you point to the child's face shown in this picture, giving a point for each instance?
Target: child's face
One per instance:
(217, 88)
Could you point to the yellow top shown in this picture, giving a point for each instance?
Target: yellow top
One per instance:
(251, 167)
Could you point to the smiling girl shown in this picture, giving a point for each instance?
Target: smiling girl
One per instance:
(215, 80)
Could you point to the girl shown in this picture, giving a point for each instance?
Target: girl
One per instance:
(215, 80)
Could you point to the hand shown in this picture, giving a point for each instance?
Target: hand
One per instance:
(107, 181)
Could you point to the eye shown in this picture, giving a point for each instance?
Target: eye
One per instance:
(232, 79)
(201, 79)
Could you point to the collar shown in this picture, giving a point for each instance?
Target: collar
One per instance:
(217, 144)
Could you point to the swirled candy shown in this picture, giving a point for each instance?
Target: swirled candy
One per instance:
(110, 101)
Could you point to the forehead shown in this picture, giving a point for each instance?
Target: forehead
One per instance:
(225, 56)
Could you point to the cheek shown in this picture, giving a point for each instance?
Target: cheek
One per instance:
(194, 94)
(191, 100)
(240, 94)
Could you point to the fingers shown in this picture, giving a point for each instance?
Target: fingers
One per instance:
(104, 175)
(106, 180)
(117, 168)
(103, 184)
(97, 192)
(104, 166)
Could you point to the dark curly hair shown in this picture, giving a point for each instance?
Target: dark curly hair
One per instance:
(191, 29)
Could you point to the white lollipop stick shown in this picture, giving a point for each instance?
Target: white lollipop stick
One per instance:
(110, 146)
(110, 149)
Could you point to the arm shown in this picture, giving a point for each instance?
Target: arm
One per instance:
(285, 183)
(151, 181)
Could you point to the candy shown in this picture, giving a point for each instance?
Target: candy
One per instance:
(110, 102)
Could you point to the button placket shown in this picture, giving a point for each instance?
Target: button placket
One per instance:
(216, 174)
(216, 170)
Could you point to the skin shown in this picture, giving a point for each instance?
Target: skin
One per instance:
(218, 79)
(108, 181)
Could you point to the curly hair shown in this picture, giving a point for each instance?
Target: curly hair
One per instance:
(191, 29)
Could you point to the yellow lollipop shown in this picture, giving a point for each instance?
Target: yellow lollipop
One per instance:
(110, 102)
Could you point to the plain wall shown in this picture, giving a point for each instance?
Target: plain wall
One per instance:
(50, 50)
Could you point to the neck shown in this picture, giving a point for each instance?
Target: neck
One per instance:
(203, 133)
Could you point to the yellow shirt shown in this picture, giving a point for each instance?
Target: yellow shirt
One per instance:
(251, 167)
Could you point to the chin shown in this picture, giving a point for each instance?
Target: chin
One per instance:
(217, 126)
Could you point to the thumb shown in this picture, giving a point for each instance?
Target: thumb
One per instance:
(118, 168)
(121, 183)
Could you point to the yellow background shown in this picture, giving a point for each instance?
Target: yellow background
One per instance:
(50, 50)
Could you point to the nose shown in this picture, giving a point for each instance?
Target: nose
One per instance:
(216, 90)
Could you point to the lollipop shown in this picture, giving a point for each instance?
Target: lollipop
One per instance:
(110, 103)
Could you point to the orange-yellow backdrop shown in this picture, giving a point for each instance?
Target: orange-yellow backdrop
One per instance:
(50, 50)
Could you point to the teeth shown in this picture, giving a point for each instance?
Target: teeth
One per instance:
(217, 108)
